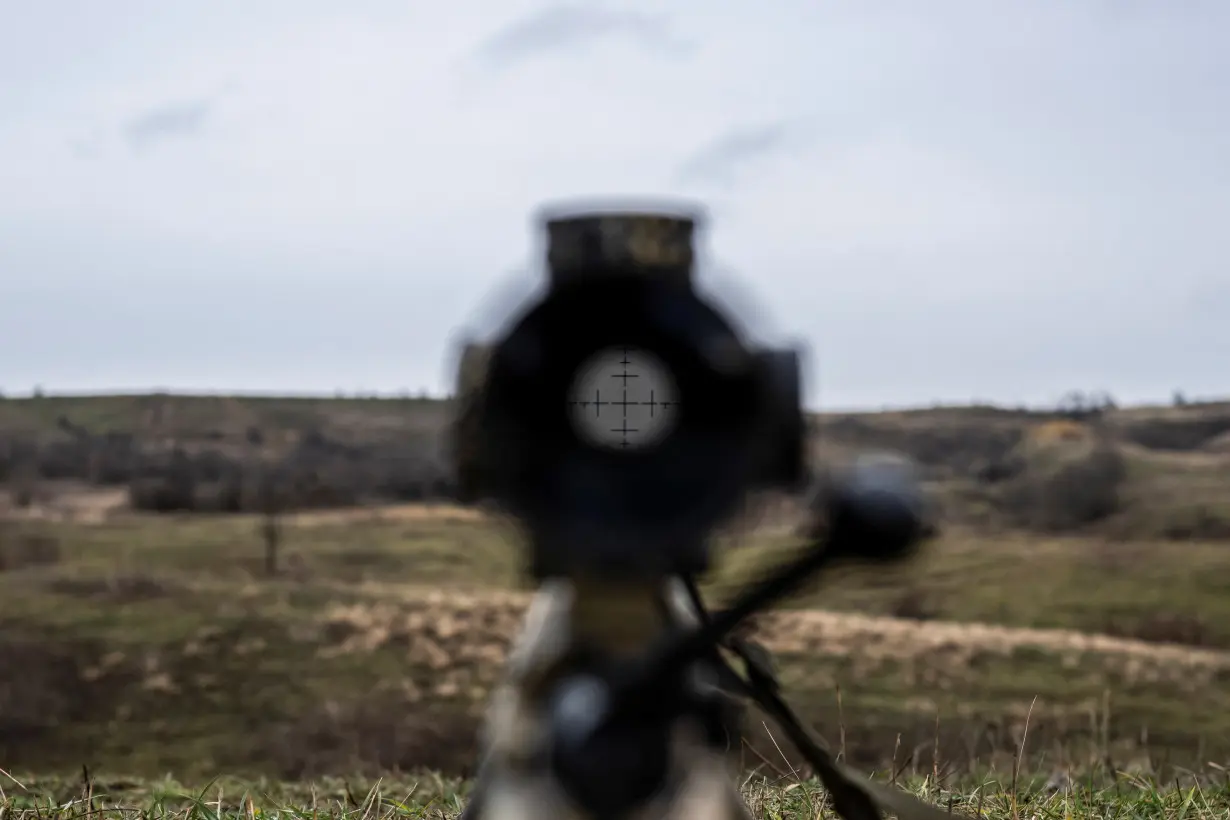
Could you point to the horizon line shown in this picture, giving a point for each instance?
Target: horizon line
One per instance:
(424, 395)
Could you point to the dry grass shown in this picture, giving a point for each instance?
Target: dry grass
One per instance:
(393, 513)
(485, 620)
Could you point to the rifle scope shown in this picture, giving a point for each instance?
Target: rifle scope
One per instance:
(622, 416)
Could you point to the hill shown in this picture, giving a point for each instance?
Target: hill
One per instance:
(1130, 473)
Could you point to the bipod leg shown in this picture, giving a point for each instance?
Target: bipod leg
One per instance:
(853, 799)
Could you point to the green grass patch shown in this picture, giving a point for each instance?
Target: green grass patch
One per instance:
(157, 644)
(993, 797)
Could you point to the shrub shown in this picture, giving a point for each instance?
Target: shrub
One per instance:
(28, 550)
(161, 495)
(1195, 523)
(1065, 485)
(915, 605)
(1190, 431)
(1164, 627)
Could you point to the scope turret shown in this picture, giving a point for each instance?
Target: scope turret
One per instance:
(658, 243)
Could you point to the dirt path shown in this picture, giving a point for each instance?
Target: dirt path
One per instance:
(93, 506)
(801, 631)
(497, 614)
(393, 513)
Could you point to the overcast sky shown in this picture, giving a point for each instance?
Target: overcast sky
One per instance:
(949, 200)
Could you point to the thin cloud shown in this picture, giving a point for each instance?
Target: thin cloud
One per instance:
(721, 159)
(88, 146)
(1209, 299)
(168, 121)
(567, 26)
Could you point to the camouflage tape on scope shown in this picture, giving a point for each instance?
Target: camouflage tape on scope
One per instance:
(644, 241)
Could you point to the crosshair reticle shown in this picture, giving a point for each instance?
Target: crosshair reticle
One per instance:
(623, 398)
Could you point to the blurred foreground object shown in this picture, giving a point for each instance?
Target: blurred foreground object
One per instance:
(621, 419)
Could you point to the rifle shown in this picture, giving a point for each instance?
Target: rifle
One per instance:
(617, 702)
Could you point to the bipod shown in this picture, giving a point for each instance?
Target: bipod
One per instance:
(601, 718)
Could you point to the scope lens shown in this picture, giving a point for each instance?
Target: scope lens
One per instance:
(623, 399)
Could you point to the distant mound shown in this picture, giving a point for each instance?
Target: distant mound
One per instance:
(1218, 444)
(991, 467)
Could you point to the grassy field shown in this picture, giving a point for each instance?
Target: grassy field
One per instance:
(434, 797)
(154, 644)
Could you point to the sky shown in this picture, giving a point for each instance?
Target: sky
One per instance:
(946, 201)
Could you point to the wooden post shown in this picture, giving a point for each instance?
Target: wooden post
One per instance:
(272, 536)
(271, 527)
